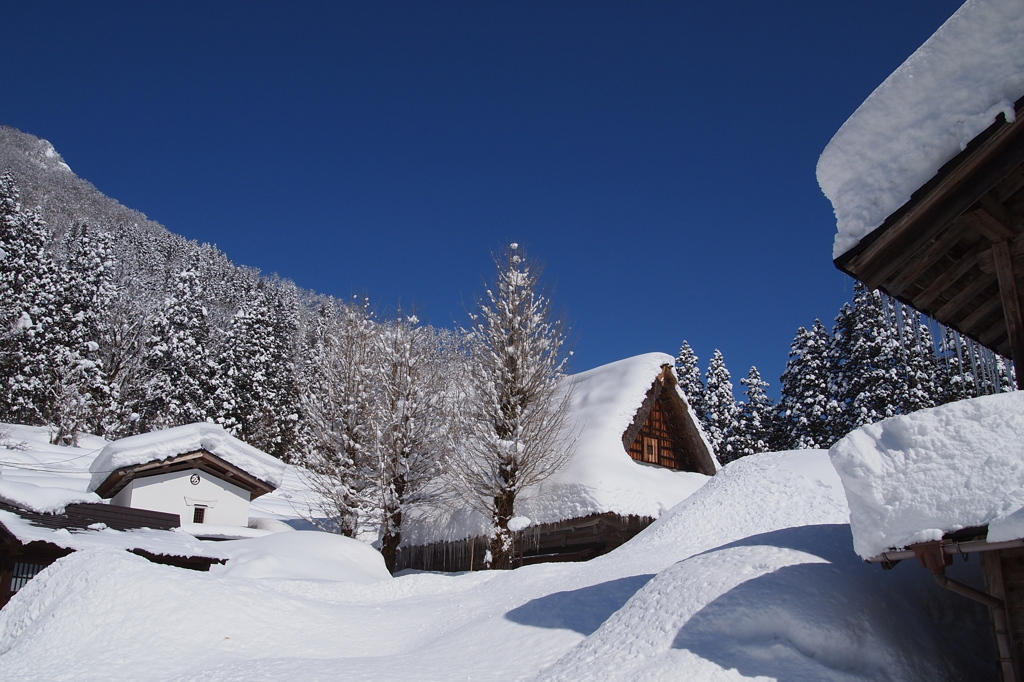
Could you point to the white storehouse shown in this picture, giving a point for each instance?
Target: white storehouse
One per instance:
(199, 472)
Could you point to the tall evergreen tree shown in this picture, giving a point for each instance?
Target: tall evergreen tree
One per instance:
(182, 372)
(257, 391)
(755, 420)
(807, 409)
(865, 362)
(688, 375)
(918, 372)
(720, 408)
(27, 274)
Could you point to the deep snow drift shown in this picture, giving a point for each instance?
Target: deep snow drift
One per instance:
(924, 114)
(753, 575)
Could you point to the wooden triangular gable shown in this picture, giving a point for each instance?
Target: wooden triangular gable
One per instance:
(664, 431)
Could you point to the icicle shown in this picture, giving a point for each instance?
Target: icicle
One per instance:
(943, 341)
(974, 366)
(900, 318)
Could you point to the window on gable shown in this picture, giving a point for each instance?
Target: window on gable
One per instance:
(650, 449)
(199, 515)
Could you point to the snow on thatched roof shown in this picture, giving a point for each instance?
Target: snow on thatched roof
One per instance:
(601, 477)
(945, 94)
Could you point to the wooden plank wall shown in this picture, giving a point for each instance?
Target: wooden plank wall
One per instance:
(655, 431)
(1004, 579)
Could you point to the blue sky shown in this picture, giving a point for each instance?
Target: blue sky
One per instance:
(658, 157)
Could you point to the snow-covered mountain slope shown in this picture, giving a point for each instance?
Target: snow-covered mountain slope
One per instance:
(753, 576)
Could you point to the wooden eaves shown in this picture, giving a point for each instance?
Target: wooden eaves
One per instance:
(200, 459)
(955, 250)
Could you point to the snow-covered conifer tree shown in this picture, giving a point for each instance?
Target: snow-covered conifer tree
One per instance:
(180, 389)
(515, 407)
(720, 407)
(918, 373)
(257, 391)
(806, 407)
(865, 355)
(339, 406)
(755, 428)
(688, 375)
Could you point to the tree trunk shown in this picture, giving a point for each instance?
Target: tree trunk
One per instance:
(502, 546)
(392, 538)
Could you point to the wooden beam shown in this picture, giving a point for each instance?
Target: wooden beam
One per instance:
(1001, 214)
(988, 225)
(1009, 185)
(946, 239)
(960, 268)
(946, 314)
(1011, 306)
(983, 311)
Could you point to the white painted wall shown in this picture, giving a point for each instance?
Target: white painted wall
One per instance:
(175, 493)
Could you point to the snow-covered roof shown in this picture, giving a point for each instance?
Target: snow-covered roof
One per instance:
(915, 477)
(944, 95)
(40, 499)
(601, 477)
(160, 542)
(157, 446)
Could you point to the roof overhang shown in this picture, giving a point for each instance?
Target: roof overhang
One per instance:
(200, 459)
(955, 250)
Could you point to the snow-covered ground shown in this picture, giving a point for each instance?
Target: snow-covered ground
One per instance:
(752, 577)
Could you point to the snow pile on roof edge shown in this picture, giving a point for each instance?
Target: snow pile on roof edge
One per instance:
(915, 477)
(160, 445)
(42, 500)
(944, 95)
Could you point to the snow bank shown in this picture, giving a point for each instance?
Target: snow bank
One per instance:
(752, 577)
(916, 477)
(160, 445)
(761, 583)
(303, 555)
(945, 94)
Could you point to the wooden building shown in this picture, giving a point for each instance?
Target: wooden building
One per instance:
(955, 249)
(31, 541)
(636, 426)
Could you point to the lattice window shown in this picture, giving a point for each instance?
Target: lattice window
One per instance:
(22, 573)
(654, 443)
(199, 515)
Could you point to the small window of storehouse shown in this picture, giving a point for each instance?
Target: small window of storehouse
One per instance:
(199, 515)
(22, 573)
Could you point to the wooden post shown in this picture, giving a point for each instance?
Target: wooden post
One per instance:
(1011, 306)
